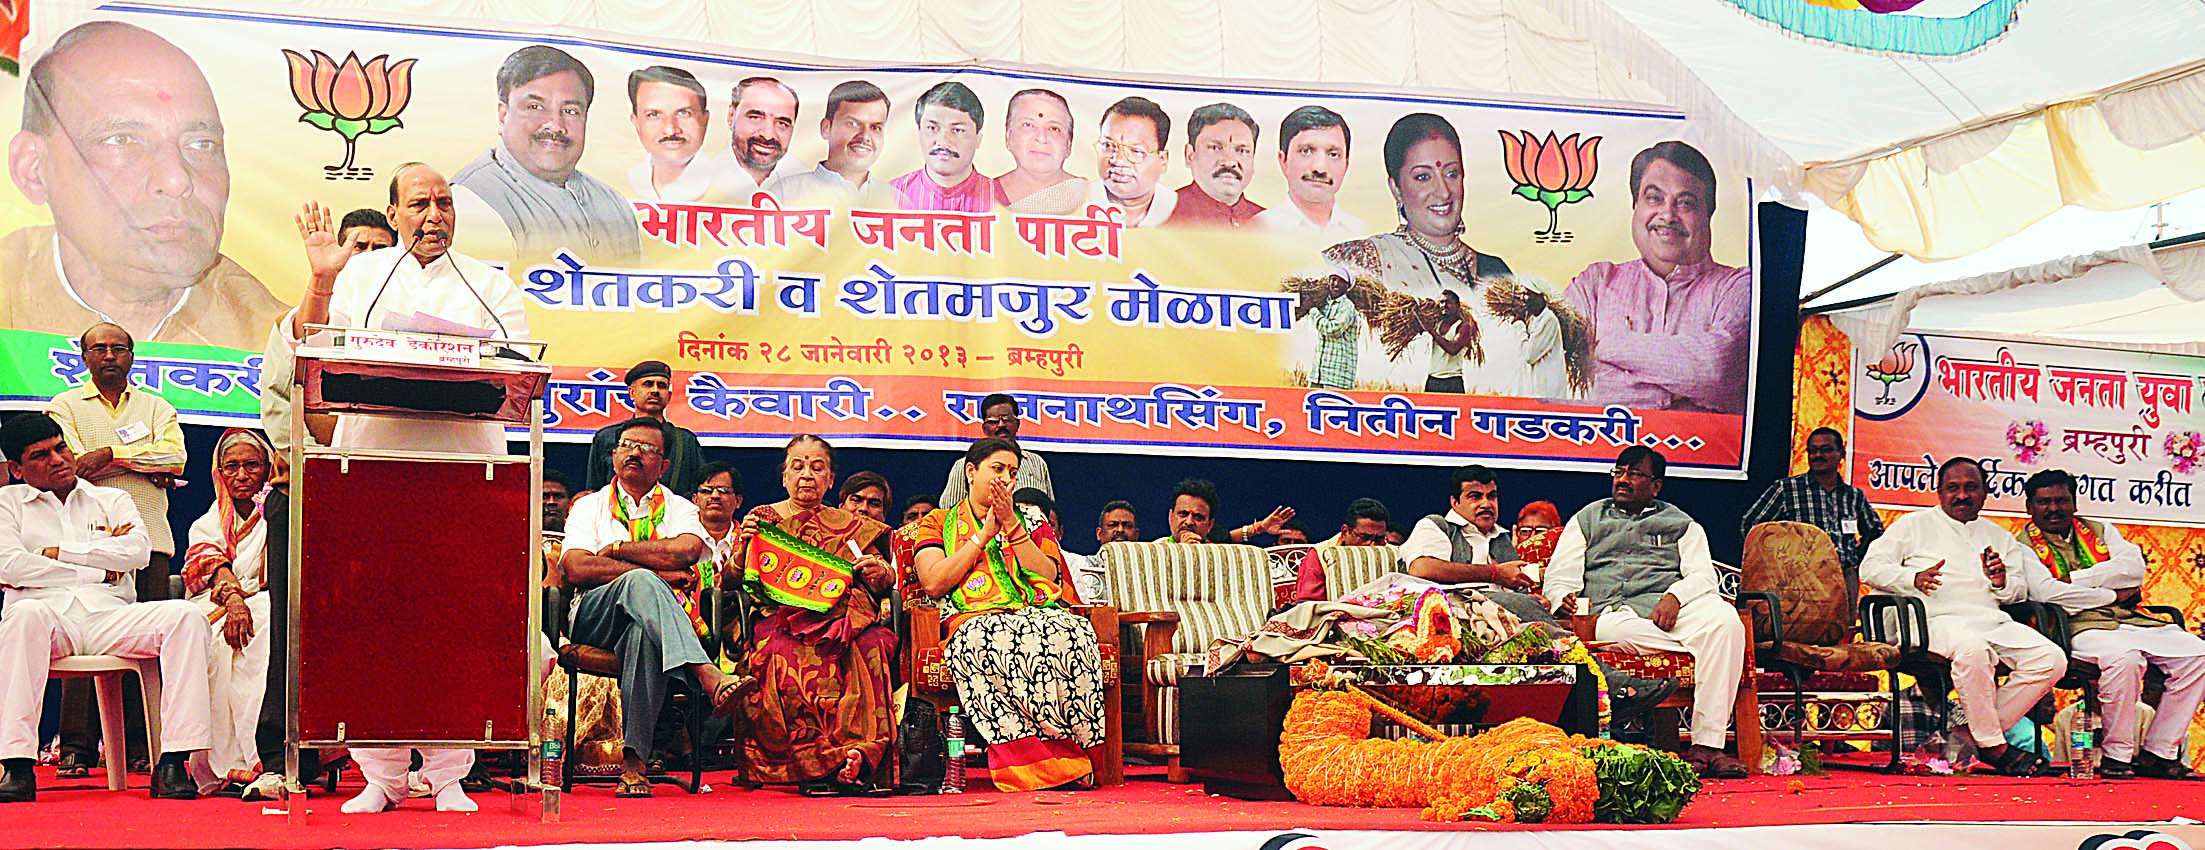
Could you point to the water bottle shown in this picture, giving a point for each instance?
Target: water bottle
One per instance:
(2082, 747)
(953, 740)
(554, 750)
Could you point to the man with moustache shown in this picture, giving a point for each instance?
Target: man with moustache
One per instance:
(1131, 159)
(66, 544)
(2100, 578)
(668, 108)
(1963, 567)
(857, 120)
(866, 494)
(759, 127)
(1221, 151)
(127, 439)
(123, 143)
(719, 500)
(1673, 325)
(1821, 498)
(1193, 517)
(1038, 135)
(1643, 568)
(917, 507)
(1117, 523)
(370, 291)
(530, 180)
(1313, 155)
(950, 119)
(558, 497)
(633, 549)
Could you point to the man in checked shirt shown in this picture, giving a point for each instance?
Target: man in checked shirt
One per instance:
(1821, 498)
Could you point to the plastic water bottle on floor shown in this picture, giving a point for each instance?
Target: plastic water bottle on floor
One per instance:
(2082, 747)
(554, 750)
(953, 738)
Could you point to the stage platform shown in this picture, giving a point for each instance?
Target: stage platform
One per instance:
(1886, 812)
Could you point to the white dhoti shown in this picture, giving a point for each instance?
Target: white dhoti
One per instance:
(2122, 654)
(1976, 647)
(35, 632)
(1710, 630)
(237, 682)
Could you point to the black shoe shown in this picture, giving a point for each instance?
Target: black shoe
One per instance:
(19, 786)
(1648, 693)
(172, 782)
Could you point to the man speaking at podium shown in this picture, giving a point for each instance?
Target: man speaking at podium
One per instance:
(419, 285)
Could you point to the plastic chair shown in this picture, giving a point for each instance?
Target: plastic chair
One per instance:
(106, 673)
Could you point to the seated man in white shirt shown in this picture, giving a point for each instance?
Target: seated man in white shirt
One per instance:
(1957, 563)
(628, 546)
(2100, 580)
(65, 544)
(1643, 567)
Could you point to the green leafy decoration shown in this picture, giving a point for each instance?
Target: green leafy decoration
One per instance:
(1533, 803)
(1574, 195)
(1638, 785)
(323, 120)
(350, 128)
(383, 125)
(1527, 192)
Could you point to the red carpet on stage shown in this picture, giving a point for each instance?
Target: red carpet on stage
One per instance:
(82, 813)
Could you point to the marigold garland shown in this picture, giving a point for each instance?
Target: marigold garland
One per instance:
(1506, 774)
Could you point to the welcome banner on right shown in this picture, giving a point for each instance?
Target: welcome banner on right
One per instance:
(2126, 424)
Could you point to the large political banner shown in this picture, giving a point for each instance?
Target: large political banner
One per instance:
(868, 252)
(2126, 424)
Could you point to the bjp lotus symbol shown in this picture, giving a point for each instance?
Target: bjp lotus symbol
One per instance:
(1551, 172)
(1893, 367)
(351, 100)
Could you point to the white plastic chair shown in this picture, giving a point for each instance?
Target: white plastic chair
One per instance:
(106, 673)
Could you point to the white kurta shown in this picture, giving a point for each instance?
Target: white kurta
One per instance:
(447, 289)
(57, 607)
(237, 679)
(2124, 653)
(455, 288)
(1965, 623)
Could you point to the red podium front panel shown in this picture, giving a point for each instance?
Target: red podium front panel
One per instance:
(414, 601)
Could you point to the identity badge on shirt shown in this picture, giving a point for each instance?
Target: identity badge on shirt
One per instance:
(1850, 526)
(133, 432)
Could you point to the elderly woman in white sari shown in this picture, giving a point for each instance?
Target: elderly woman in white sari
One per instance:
(222, 572)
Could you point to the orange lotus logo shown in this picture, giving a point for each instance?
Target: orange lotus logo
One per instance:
(1551, 172)
(351, 100)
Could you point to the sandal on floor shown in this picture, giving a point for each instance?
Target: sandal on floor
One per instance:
(2111, 768)
(2015, 761)
(1712, 763)
(632, 788)
(819, 788)
(71, 768)
(2151, 766)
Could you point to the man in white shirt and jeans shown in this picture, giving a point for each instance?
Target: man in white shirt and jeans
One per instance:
(64, 544)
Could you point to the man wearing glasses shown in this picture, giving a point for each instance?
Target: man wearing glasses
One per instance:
(1642, 565)
(1821, 498)
(1131, 159)
(129, 440)
(999, 418)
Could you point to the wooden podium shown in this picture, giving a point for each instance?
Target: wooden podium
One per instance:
(416, 575)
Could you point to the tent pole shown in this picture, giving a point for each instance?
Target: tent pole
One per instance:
(1864, 272)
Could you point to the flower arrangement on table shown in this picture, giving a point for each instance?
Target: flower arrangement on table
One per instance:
(1522, 771)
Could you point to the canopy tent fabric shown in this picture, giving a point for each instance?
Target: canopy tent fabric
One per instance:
(2132, 298)
(2068, 102)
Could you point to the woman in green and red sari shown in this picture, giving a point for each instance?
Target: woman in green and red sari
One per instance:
(1028, 671)
(821, 719)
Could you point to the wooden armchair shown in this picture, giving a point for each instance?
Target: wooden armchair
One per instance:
(921, 631)
(1179, 597)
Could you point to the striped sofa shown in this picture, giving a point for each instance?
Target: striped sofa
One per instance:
(1349, 567)
(1176, 598)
